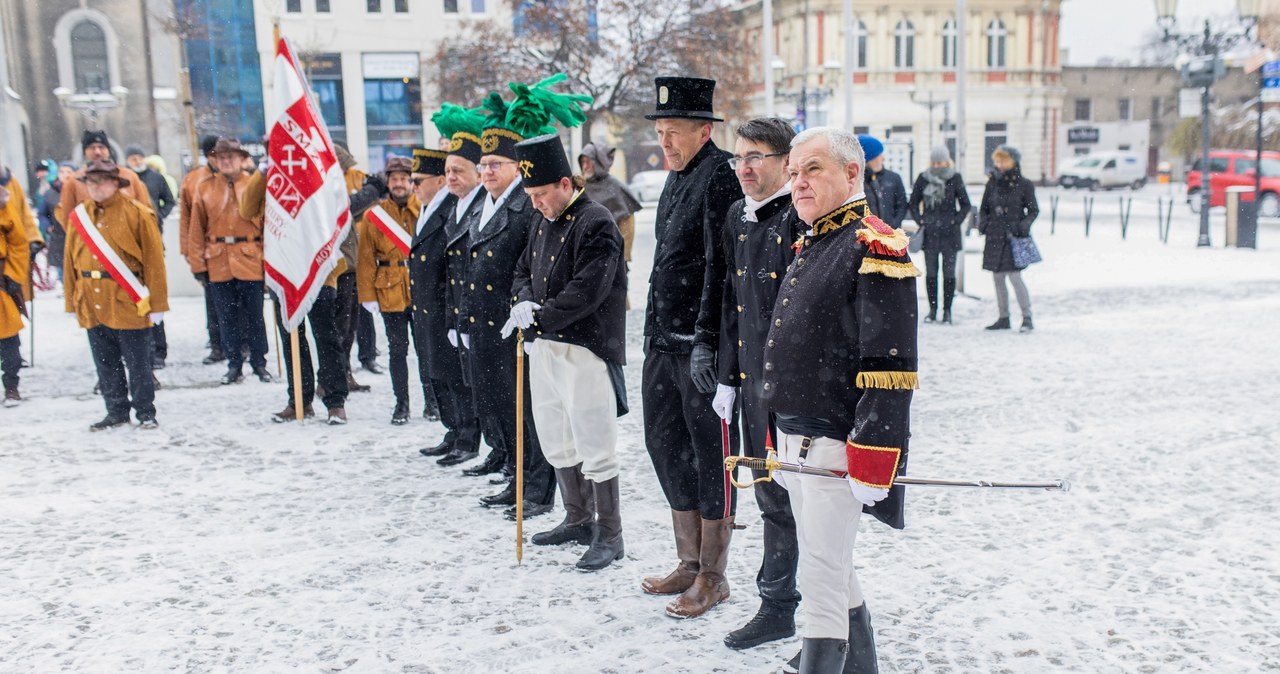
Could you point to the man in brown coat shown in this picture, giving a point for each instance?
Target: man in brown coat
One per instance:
(382, 272)
(225, 253)
(115, 284)
(14, 273)
(186, 197)
(74, 192)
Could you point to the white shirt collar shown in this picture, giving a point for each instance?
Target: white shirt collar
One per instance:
(492, 205)
(431, 208)
(465, 202)
(751, 205)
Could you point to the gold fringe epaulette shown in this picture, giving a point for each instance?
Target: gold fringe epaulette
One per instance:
(881, 238)
(905, 381)
(890, 268)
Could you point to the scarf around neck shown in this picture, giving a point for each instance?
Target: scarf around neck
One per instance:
(750, 206)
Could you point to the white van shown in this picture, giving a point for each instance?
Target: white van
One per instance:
(1105, 170)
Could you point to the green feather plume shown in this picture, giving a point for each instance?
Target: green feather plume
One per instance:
(454, 118)
(534, 107)
(495, 110)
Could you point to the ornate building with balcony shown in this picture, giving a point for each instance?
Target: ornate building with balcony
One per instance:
(903, 75)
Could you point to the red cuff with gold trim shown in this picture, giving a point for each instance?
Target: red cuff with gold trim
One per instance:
(872, 466)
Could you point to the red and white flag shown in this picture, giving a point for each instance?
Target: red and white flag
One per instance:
(308, 213)
(389, 227)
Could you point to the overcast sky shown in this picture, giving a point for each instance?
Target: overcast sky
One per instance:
(1094, 29)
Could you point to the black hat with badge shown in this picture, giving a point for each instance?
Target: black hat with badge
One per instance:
(684, 98)
(429, 162)
(542, 161)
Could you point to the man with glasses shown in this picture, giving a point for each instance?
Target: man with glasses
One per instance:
(382, 272)
(758, 234)
(686, 441)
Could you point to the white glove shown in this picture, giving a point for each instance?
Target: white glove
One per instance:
(867, 496)
(452, 336)
(528, 348)
(157, 317)
(723, 402)
(371, 307)
(466, 340)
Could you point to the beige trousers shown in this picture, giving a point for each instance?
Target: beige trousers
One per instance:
(574, 408)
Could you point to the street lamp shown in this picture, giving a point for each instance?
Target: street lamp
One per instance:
(931, 104)
(92, 102)
(1201, 73)
(805, 93)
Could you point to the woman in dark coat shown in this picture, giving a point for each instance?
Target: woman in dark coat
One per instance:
(939, 203)
(1008, 209)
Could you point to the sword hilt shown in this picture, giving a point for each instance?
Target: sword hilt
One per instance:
(768, 465)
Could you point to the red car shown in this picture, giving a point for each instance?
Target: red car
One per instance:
(1230, 168)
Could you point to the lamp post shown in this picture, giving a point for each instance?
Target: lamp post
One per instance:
(931, 104)
(1201, 73)
(91, 103)
(805, 93)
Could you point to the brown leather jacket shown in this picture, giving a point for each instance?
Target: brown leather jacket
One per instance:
(219, 240)
(388, 282)
(129, 227)
(187, 197)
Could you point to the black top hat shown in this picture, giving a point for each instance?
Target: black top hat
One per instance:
(104, 167)
(542, 161)
(685, 97)
(499, 141)
(428, 161)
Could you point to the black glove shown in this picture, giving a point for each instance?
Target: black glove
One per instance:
(377, 183)
(702, 368)
(35, 247)
(202, 277)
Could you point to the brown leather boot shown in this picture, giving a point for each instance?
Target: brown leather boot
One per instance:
(710, 587)
(688, 529)
(287, 414)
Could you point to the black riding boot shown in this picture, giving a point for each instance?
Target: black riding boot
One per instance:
(931, 287)
(823, 656)
(948, 294)
(862, 644)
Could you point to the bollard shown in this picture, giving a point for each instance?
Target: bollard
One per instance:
(1088, 214)
(1053, 213)
(1125, 210)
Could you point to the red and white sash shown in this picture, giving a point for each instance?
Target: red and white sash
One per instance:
(107, 256)
(389, 228)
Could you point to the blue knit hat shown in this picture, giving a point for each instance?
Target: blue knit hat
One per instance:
(871, 147)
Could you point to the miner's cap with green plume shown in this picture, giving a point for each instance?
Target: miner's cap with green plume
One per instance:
(428, 161)
(463, 127)
(534, 111)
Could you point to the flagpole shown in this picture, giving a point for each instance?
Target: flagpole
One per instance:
(297, 374)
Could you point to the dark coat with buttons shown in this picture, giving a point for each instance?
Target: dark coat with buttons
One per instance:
(457, 237)
(428, 283)
(941, 225)
(756, 259)
(1008, 209)
(573, 268)
(886, 196)
(845, 319)
(492, 254)
(687, 281)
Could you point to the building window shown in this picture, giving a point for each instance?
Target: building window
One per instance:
(1084, 109)
(949, 44)
(1126, 113)
(995, 134)
(997, 39)
(1157, 109)
(477, 6)
(322, 6)
(89, 57)
(402, 6)
(293, 6)
(373, 5)
(859, 45)
(226, 79)
(904, 45)
(450, 6)
(324, 73)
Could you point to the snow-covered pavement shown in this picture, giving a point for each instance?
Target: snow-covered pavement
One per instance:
(226, 543)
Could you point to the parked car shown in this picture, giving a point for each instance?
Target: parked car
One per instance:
(647, 185)
(1231, 168)
(1105, 170)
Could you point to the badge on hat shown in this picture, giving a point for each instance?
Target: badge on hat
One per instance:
(542, 160)
(684, 97)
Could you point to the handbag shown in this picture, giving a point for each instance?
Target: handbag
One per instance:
(1025, 252)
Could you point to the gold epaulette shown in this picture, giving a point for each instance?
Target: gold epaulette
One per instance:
(890, 268)
(881, 238)
(897, 380)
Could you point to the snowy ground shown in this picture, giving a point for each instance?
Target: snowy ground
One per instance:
(225, 543)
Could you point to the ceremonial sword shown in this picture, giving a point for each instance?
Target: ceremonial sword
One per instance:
(772, 464)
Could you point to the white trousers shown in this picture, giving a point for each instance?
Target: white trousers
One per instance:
(574, 408)
(827, 517)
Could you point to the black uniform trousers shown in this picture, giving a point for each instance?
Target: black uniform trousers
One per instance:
(211, 318)
(366, 337)
(333, 376)
(347, 315)
(114, 353)
(398, 324)
(499, 430)
(159, 342)
(240, 321)
(776, 579)
(10, 361)
(453, 395)
(687, 441)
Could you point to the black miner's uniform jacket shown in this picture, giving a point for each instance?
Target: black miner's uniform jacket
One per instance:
(573, 268)
(842, 347)
(458, 242)
(428, 288)
(756, 259)
(687, 281)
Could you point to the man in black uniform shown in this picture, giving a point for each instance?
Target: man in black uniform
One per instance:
(759, 233)
(437, 358)
(570, 291)
(839, 369)
(686, 441)
(462, 179)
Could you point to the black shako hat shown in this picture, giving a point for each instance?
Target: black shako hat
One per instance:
(542, 161)
(684, 97)
(428, 162)
(92, 137)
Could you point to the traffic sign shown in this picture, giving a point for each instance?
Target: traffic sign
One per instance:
(1271, 82)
